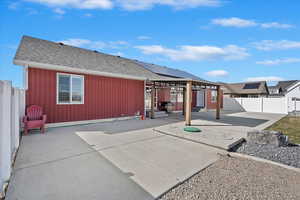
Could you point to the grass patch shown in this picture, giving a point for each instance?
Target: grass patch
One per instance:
(289, 126)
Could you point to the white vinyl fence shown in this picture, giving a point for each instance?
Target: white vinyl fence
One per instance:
(282, 105)
(12, 108)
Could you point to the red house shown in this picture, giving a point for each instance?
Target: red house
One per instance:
(74, 84)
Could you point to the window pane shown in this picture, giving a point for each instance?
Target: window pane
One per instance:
(64, 89)
(77, 89)
(173, 97)
(213, 95)
(180, 96)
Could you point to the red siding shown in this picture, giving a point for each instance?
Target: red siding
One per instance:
(164, 94)
(104, 97)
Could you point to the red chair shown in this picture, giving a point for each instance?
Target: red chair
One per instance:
(34, 118)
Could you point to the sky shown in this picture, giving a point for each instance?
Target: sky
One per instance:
(218, 40)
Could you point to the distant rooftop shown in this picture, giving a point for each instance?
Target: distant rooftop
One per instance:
(259, 87)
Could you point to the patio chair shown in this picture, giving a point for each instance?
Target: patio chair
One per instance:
(34, 118)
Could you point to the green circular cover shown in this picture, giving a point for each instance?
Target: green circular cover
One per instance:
(192, 129)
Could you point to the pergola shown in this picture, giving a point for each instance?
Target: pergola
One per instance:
(188, 86)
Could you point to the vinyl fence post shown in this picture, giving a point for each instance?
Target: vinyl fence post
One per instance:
(15, 120)
(5, 132)
(22, 104)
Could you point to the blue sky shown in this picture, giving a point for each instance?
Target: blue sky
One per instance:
(218, 40)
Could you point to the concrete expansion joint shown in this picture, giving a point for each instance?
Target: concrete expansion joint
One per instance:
(129, 143)
(53, 161)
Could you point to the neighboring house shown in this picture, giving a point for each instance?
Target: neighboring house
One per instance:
(286, 88)
(76, 84)
(248, 89)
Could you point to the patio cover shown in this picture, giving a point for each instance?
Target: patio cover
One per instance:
(188, 85)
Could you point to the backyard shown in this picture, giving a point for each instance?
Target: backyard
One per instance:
(289, 126)
(129, 159)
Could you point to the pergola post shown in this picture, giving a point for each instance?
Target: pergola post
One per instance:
(152, 100)
(183, 103)
(218, 102)
(188, 105)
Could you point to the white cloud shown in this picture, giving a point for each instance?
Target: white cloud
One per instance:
(76, 42)
(279, 61)
(276, 25)
(128, 4)
(177, 4)
(14, 5)
(31, 11)
(88, 15)
(268, 45)
(95, 44)
(217, 73)
(59, 11)
(233, 22)
(242, 23)
(81, 4)
(119, 54)
(264, 78)
(197, 53)
(143, 37)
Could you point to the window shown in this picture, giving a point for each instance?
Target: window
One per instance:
(70, 89)
(173, 95)
(176, 95)
(180, 95)
(213, 95)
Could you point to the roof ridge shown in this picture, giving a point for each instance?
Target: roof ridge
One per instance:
(81, 48)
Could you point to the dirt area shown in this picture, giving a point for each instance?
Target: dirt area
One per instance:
(236, 178)
(289, 126)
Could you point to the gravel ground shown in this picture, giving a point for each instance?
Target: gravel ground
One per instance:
(240, 179)
(289, 155)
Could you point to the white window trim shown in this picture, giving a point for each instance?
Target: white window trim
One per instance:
(57, 89)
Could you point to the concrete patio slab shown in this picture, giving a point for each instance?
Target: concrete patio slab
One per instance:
(156, 162)
(60, 165)
(214, 135)
(225, 133)
(87, 176)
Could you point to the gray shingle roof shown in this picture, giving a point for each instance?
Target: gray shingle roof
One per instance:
(52, 53)
(284, 85)
(239, 88)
